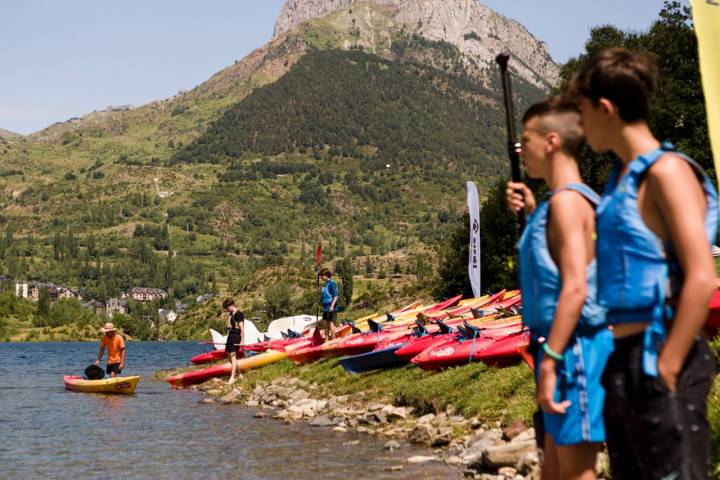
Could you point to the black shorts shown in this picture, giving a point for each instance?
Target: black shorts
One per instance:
(652, 432)
(233, 341)
(113, 368)
(330, 317)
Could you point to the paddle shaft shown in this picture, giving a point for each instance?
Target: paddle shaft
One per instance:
(512, 143)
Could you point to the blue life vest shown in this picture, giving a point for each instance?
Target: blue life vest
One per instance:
(329, 291)
(540, 280)
(637, 272)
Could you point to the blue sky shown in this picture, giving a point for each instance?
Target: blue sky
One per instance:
(60, 59)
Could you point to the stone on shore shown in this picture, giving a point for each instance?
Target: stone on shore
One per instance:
(443, 437)
(231, 396)
(421, 459)
(392, 445)
(422, 434)
(514, 429)
(298, 395)
(506, 455)
(321, 421)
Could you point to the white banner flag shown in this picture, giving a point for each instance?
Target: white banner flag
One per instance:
(474, 250)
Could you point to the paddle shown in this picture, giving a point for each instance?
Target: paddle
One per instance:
(513, 145)
(318, 259)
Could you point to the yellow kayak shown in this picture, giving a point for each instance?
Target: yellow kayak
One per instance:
(120, 385)
(198, 376)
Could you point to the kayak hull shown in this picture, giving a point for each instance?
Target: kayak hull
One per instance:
(506, 351)
(374, 360)
(116, 385)
(209, 357)
(199, 376)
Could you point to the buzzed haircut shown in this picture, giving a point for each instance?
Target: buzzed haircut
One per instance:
(325, 273)
(228, 302)
(562, 117)
(624, 77)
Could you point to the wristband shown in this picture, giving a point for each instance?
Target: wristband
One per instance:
(551, 353)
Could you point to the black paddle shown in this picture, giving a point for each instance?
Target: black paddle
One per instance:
(513, 145)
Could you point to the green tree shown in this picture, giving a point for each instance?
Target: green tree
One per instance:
(277, 300)
(43, 305)
(344, 269)
(368, 265)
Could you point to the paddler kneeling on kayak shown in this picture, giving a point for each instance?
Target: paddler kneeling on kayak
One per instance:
(115, 346)
(235, 335)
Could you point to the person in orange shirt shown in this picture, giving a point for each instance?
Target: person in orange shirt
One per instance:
(116, 350)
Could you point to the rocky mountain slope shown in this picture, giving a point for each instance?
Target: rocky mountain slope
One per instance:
(476, 30)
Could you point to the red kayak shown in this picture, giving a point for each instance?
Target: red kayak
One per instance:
(456, 312)
(209, 357)
(505, 352)
(451, 302)
(460, 350)
(712, 324)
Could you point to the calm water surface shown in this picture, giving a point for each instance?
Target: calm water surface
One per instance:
(48, 432)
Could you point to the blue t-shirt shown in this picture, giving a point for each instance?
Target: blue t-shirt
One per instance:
(329, 291)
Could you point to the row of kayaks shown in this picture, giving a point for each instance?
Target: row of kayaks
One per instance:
(454, 332)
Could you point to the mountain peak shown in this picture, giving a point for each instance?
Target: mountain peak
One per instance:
(477, 31)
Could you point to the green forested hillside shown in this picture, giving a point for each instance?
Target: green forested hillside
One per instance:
(353, 104)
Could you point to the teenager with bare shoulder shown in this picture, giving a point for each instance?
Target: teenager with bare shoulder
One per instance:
(558, 280)
(656, 223)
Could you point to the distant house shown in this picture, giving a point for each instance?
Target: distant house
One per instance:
(204, 297)
(142, 294)
(181, 307)
(21, 289)
(166, 316)
(116, 306)
(96, 307)
(31, 290)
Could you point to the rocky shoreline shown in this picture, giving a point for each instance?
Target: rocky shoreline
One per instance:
(483, 451)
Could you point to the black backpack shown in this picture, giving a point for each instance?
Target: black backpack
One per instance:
(93, 372)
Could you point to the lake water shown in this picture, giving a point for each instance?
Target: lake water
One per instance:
(49, 432)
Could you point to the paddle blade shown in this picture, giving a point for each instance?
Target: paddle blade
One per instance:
(318, 254)
(317, 338)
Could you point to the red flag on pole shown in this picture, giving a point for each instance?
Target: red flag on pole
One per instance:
(318, 254)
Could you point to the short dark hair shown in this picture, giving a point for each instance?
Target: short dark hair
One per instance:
(563, 117)
(325, 273)
(625, 78)
(228, 302)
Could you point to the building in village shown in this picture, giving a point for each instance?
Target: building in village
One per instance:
(31, 290)
(143, 294)
(116, 306)
(166, 316)
(204, 298)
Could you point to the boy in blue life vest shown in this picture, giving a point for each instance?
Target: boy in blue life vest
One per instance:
(329, 295)
(558, 280)
(656, 222)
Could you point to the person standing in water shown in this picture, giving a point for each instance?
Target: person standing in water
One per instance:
(115, 346)
(556, 253)
(329, 295)
(656, 223)
(235, 335)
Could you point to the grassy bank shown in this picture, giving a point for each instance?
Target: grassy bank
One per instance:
(491, 394)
